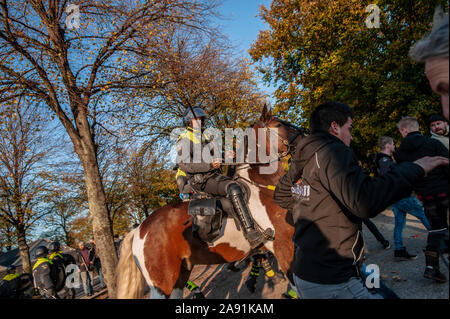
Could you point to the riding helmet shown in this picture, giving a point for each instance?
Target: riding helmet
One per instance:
(41, 251)
(198, 111)
(54, 246)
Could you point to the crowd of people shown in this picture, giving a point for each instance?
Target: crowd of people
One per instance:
(50, 272)
(329, 247)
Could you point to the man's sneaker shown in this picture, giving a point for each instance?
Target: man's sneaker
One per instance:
(402, 254)
(386, 245)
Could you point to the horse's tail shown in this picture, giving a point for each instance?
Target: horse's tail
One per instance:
(129, 279)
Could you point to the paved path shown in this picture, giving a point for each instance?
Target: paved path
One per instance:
(405, 278)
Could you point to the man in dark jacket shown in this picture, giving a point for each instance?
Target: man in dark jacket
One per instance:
(45, 274)
(432, 189)
(332, 196)
(407, 205)
(84, 259)
(96, 261)
(61, 261)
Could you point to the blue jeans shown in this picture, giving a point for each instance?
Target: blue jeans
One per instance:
(354, 288)
(86, 279)
(98, 267)
(409, 205)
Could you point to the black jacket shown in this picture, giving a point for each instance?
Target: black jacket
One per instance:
(415, 146)
(334, 195)
(383, 163)
(93, 250)
(46, 277)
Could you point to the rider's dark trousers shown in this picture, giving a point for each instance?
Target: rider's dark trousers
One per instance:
(216, 185)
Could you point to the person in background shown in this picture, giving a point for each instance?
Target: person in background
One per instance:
(409, 204)
(45, 274)
(432, 189)
(433, 51)
(61, 261)
(85, 267)
(438, 129)
(93, 250)
(10, 284)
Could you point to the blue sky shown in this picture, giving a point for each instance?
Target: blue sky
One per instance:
(242, 25)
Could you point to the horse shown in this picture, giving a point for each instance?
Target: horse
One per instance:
(161, 252)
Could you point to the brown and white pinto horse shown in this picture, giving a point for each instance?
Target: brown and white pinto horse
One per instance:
(162, 251)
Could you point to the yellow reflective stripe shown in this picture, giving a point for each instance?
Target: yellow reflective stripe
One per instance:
(40, 261)
(180, 173)
(271, 187)
(54, 254)
(10, 276)
(190, 135)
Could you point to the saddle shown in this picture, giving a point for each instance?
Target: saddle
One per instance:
(210, 214)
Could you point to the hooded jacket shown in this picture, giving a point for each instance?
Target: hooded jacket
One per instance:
(415, 146)
(329, 202)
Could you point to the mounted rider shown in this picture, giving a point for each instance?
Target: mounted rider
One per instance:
(208, 177)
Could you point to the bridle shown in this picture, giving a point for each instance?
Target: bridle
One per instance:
(290, 148)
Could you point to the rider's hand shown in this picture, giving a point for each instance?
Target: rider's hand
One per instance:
(429, 163)
(216, 163)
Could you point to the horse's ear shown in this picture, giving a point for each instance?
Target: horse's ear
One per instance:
(266, 114)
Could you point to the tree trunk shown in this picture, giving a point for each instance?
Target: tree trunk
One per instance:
(101, 223)
(24, 250)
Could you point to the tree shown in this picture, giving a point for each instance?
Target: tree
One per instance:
(63, 211)
(81, 230)
(23, 150)
(7, 237)
(151, 183)
(71, 71)
(198, 72)
(320, 50)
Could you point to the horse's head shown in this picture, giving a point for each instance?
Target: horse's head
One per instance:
(286, 134)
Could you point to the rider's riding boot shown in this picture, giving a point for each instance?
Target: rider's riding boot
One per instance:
(432, 269)
(254, 237)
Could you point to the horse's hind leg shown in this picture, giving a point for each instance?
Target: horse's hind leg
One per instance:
(178, 289)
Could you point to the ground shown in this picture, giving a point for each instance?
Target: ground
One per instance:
(405, 278)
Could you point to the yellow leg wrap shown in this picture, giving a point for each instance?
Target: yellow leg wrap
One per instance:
(292, 294)
(191, 286)
(268, 268)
